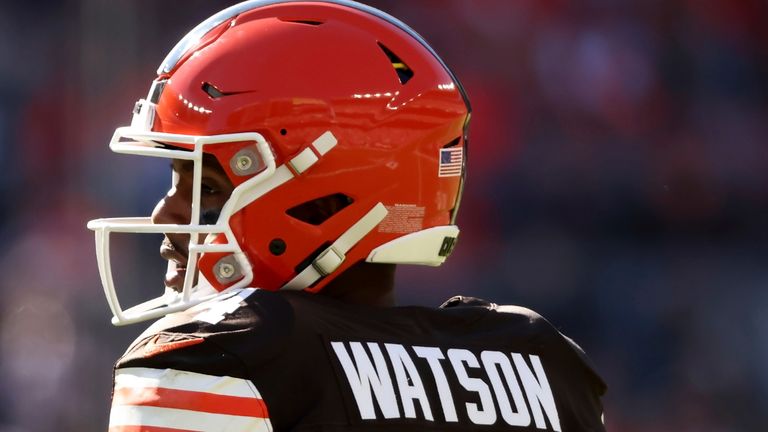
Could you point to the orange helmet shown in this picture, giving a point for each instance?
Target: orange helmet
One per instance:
(300, 101)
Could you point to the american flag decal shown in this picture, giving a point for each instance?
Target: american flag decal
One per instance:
(451, 161)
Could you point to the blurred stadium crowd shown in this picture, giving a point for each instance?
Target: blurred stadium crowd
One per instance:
(618, 184)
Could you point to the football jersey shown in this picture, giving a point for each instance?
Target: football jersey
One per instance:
(254, 360)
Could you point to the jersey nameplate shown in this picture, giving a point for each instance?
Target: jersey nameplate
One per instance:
(393, 381)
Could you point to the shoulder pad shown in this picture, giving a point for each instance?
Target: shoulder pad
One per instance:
(246, 324)
(540, 322)
(459, 301)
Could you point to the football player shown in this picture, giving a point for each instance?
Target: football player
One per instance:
(315, 145)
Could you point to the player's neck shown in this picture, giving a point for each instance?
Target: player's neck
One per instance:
(364, 283)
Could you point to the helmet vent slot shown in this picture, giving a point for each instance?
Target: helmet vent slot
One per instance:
(319, 210)
(301, 21)
(404, 73)
(212, 90)
(453, 143)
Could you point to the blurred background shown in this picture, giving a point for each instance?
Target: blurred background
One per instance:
(618, 184)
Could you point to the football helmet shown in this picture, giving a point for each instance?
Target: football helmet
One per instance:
(300, 101)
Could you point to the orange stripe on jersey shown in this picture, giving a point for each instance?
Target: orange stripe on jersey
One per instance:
(153, 348)
(191, 400)
(145, 429)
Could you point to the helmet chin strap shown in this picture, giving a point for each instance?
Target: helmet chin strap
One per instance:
(331, 258)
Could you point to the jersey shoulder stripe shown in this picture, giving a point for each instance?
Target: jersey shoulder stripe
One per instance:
(144, 429)
(174, 400)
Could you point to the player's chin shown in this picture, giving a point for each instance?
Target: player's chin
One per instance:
(174, 278)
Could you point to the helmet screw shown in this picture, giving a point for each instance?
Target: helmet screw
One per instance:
(244, 162)
(226, 270)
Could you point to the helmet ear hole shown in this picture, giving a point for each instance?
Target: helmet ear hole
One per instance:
(319, 210)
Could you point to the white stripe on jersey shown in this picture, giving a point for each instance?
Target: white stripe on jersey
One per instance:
(182, 380)
(184, 420)
(168, 398)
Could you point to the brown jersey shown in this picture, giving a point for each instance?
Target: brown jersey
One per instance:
(255, 360)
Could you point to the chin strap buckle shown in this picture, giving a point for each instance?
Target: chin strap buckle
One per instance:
(328, 261)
